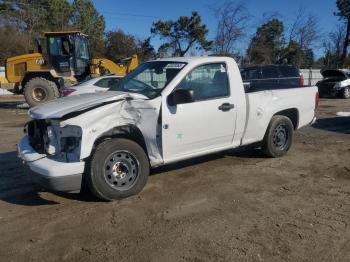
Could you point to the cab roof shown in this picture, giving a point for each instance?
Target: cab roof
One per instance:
(73, 32)
(194, 59)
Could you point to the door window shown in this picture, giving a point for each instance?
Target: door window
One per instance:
(59, 46)
(82, 48)
(82, 54)
(289, 71)
(207, 82)
(250, 74)
(269, 72)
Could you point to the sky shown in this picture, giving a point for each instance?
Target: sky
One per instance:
(136, 16)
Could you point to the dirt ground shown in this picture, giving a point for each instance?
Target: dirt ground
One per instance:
(232, 206)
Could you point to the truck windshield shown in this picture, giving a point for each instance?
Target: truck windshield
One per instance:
(149, 79)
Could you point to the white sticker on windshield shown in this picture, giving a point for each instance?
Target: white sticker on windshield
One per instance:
(222, 69)
(174, 66)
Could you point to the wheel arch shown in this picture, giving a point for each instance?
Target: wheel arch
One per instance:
(130, 132)
(292, 114)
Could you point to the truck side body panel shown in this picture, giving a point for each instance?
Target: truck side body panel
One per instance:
(261, 106)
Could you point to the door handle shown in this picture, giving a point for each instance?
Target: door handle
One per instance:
(226, 107)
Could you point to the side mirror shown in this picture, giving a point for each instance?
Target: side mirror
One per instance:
(180, 96)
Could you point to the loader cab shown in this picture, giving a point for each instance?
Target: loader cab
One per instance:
(68, 53)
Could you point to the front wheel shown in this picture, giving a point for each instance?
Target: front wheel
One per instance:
(119, 168)
(279, 136)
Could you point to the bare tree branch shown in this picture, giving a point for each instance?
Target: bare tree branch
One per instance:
(232, 22)
(304, 30)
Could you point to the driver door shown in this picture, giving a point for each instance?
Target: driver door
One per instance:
(202, 125)
(60, 53)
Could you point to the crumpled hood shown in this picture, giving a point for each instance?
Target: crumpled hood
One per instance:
(58, 108)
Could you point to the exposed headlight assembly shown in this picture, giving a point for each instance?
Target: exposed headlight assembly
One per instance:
(63, 140)
(52, 147)
(69, 144)
(70, 138)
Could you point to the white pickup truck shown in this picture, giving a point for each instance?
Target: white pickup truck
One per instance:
(165, 111)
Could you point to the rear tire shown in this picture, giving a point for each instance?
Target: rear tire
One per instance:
(39, 90)
(278, 137)
(119, 168)
(346, 92)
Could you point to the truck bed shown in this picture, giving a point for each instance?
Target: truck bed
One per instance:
(262, 105)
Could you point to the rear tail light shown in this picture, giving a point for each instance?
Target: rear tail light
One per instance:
(67, 92)
(317, 100)
(301, 80)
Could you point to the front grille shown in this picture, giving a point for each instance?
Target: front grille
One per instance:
(36, 133)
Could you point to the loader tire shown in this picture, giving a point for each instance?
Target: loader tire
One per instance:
(39, 90)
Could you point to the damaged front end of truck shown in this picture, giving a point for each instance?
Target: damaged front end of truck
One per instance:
(62, 134)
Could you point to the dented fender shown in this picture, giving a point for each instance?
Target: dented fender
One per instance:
(109, 119)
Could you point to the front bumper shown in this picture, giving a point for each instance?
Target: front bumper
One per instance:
(51, 174)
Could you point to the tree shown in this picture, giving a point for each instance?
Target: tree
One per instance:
(145, 50)
(344, 14)
(266, 45)
(58, 18)
(7, 46)
(303, 34)
(183, 34)
(37, 16)
(231, 27)
(86, 18)
(28, 19)
(333, 47)
(120, 45)
(26, 15)
(292, 53)
(4, 6)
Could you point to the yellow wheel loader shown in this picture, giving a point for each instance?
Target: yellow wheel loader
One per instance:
(65, 61)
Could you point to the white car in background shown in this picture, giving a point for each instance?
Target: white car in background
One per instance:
(93, 85)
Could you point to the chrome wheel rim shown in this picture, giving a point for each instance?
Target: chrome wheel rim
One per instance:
(280, 137)
(121, 170)
(347, 92)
